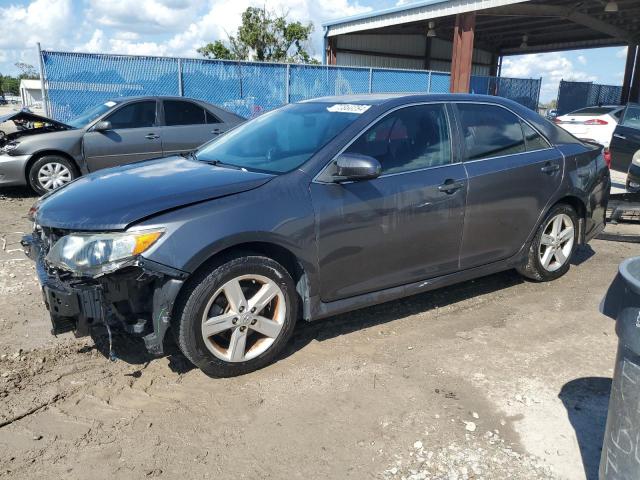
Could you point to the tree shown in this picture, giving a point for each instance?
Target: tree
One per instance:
(26, 70)
(266, 37)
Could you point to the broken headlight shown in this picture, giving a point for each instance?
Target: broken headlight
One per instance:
(9, 147)
(94, 254)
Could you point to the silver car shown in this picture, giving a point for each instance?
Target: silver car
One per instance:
(46, 154)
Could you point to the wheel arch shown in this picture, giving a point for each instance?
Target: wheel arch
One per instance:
(581, 210)
(284, 256)
(43, 153)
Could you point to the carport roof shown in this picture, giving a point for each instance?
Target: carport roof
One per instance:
(501, 25)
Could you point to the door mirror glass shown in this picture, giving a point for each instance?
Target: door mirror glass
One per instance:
(354, 167)
(102, 126)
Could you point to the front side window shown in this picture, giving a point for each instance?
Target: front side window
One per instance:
(134, 115)
(632, 117)
(490, 131)
(281, 140)
(177, 112)
(411, 138)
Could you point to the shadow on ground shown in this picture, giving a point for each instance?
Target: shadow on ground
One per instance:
(586, 401)
(132, 350)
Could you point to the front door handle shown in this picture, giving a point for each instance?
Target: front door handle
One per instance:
(450, 186)
(151, 136)
(550, 168)
(621, 137)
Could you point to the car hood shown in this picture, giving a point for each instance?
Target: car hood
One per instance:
(49, 126)
(115, 198)
(32, 117)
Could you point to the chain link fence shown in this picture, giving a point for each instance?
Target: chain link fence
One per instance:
(76, 81)
(575, 95)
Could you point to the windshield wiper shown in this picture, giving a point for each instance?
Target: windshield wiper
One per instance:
(220, 163)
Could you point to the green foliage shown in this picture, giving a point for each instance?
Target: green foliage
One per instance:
(9, 84)
(266, 37)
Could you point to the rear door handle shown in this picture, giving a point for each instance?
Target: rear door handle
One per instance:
(621, 137)
(450, 186)
(151, 136)
(550, 168)
(216, 131)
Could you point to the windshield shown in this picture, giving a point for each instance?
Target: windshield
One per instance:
(91, 114)
(281, 140)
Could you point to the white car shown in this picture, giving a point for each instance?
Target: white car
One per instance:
(592, 123)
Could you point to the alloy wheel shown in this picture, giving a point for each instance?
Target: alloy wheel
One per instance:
(53, 175)
(243, 318)
(556, 243)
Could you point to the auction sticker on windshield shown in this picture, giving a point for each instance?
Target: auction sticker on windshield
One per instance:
(348, 108)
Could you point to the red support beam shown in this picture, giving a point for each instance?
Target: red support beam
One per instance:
(462, 57)
(628, 72)
(331, 51)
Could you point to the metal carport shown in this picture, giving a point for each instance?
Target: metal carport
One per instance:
(471, 36)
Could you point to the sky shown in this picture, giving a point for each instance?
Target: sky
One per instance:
(179, 27)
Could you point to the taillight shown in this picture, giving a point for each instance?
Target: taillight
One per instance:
(596, 121)
(607, 157)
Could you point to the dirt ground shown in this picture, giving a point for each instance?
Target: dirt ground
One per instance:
(495, 378)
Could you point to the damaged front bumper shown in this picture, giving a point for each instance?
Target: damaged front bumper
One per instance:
(138, 298)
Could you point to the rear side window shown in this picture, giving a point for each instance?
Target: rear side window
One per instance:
(490, 131)
(534, 141)
(632, 117)
(177, 113)
(411, 138)
(211, 118)
(134, 115)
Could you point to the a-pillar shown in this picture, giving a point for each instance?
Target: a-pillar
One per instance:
(462, 56)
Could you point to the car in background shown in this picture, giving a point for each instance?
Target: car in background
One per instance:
(625, 147)
(116, 132)
(592, 123)
(310, 210)
(552, 113)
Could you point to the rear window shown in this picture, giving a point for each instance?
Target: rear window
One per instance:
(593, 111)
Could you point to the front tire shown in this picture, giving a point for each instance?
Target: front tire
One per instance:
(553, 246)
(51, 172)
(236, 317)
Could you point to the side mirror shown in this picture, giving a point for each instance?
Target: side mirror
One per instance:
(102, 126)
(353, 167)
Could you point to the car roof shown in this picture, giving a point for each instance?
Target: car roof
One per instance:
(151, 97)
(382, 98)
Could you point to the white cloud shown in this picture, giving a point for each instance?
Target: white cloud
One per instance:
(622, 53)
(45, 21)
(146, 27)
(551, 67)
(582, 59)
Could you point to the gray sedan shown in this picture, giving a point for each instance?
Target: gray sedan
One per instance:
(120, 131)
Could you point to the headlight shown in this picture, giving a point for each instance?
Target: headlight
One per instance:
(636, 159)
(99, 253)
(9, 147)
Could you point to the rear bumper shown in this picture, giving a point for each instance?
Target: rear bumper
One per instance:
(12, 169)
(137, 299)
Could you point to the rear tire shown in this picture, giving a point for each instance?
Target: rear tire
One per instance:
(553, 246)
(236, 317)
(51, 172)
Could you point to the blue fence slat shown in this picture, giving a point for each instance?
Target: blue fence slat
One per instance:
(77, 81)
(576, 95)
(391, 81)
(312, 81)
